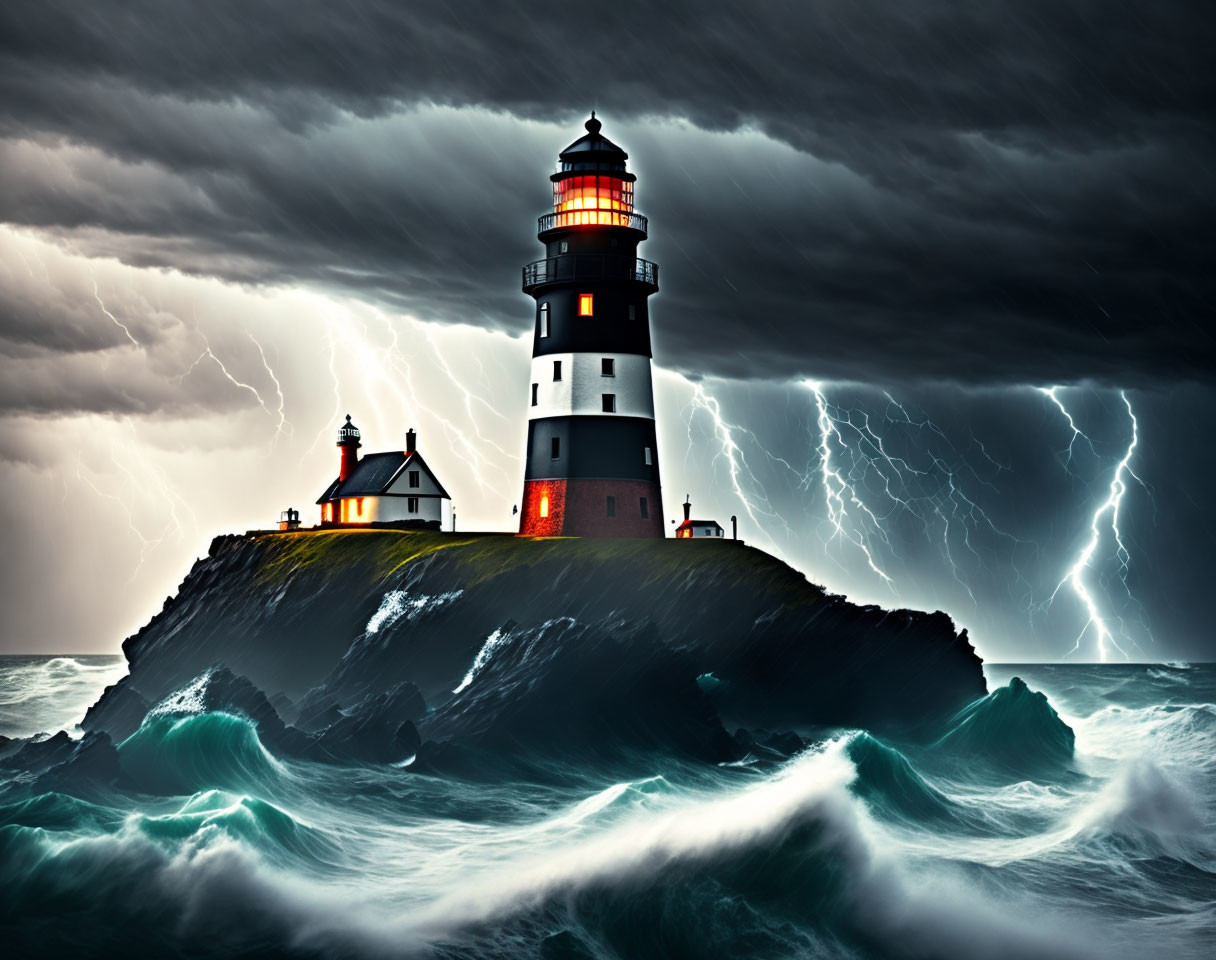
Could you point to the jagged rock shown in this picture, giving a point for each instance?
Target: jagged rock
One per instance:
(37, 755)
(119, 711)
(92, 758)
(379, 729)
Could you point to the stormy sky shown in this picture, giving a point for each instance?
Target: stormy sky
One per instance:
(226, 224)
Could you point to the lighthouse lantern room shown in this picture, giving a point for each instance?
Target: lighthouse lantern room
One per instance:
(592, 466)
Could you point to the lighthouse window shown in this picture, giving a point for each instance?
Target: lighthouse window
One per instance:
(609, 403)
(633, 311)
(415, 480)
(544, 506)
(647, 456)
(565, 246)
(535, 389)
(645, 508)
(607, 367)
(544, 319)
(411, 504)
(557, 370)
(612, 506)
(586, 305)
(556, 448)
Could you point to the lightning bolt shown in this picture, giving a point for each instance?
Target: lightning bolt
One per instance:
(208, 352)
(732, 453)
(118, 323)
(1105, 517)
(146, 486)
(839, 492)
(1053, 394)
(278, 389)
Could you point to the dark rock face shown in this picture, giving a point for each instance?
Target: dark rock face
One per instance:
(93, 759)
(335, 622)
(566, 689)
(37, 756)
(120, 711)
(378, 729)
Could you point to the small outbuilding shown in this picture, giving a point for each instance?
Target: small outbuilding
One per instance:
(696, 529)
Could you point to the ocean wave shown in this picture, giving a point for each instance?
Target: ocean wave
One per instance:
(1148, 811)
(1013, 729)
(797, 843)
(171, 754)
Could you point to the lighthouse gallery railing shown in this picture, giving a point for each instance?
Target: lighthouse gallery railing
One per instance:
(577, 267)
(570, 218)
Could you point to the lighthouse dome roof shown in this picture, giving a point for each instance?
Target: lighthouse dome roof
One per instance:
(593, 151)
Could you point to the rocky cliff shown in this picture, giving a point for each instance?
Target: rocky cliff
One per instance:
(322, 621)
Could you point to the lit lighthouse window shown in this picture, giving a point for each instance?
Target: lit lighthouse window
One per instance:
(586, 305)
(544, 506)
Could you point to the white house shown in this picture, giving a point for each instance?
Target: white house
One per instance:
(395, 487)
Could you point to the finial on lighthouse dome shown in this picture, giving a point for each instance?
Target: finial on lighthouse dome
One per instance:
(348, 434)
(593, 125)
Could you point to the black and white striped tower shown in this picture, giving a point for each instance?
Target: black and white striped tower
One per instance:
(592, 465)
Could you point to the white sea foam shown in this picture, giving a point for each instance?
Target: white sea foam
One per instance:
(493, 641)
(188, 700)
(399, 604)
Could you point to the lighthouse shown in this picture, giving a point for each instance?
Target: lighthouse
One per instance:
(592, 461)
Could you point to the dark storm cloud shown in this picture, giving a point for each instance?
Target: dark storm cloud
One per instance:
(991, 193)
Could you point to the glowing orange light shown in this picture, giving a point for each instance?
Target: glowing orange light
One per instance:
(544, 506)
(592, 193)
(586, 305)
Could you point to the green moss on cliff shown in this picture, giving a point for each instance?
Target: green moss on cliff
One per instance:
(484, 557)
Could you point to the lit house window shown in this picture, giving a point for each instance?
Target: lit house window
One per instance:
(607, 367)
(586, 305)
(535, 388)
(411, 504)
(556, 448)
(415, 480)
(544, 506)
(544, 319)
(612, 506)
(609, 403)
(557, 370)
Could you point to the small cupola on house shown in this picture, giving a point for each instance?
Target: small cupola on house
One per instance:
(397, 487)
(696, 529)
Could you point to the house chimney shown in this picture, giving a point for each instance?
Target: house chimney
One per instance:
(734, 528)
(411, 440)
(687, 507)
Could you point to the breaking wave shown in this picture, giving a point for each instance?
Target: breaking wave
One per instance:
(987, 839)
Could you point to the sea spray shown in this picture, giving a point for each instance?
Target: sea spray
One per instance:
(842, 851)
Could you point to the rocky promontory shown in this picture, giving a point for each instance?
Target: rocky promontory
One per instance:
(508, 638)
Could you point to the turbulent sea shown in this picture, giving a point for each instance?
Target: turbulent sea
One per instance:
(995, 837)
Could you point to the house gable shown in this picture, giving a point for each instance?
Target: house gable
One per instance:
(428, 483)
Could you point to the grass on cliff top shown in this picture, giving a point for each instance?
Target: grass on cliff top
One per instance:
(387, 552)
